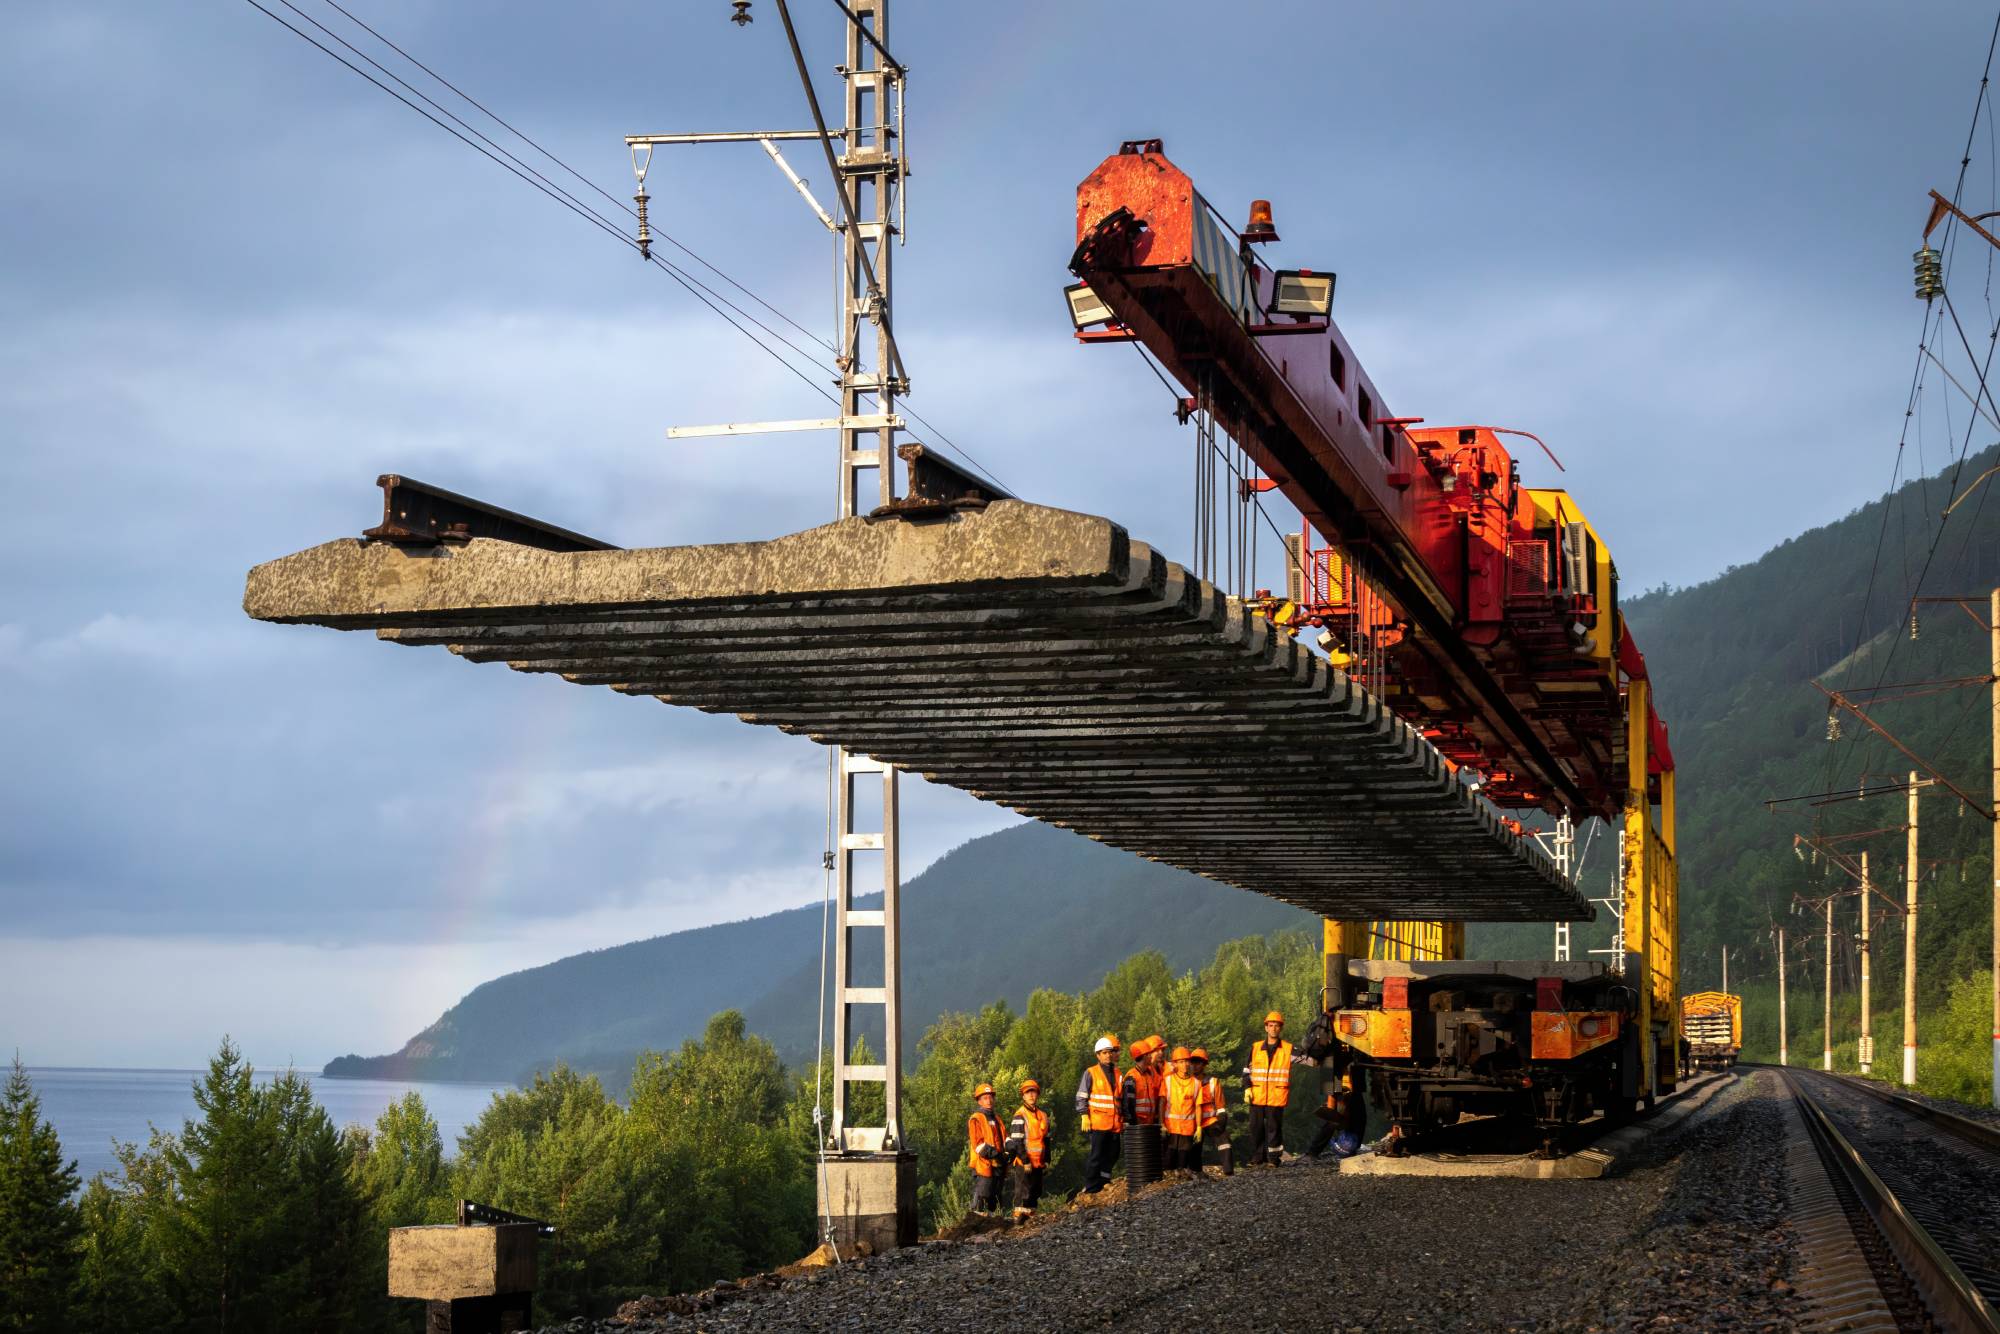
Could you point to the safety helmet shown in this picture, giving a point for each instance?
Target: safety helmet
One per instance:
(1155, 1042)
(1109, 1042)
(1180, 1054)
(1274, 1018)
(1029, 1084)
(1198, 1054)
(982, 1090)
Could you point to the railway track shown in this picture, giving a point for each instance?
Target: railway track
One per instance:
(1897, 1207)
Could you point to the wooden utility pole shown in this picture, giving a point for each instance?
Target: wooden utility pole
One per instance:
(1910, 942)
(1865, 1048)
(1826, 1020)
(1784, 1049)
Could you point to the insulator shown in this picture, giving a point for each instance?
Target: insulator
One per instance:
(742, 14)
(645, 230)
(1930, 274)
(1832, 725)
(1913, 627)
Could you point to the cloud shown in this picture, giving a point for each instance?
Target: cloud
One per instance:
(298, 285)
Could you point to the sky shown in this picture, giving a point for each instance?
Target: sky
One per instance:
(1673, 241)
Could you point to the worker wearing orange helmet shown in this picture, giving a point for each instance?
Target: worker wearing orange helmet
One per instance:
(1214, 1112)
(1140, 1100)
(1180, 1115)
(1268, 1090)
(989, 1151)
(1097, 1111)
(1029, 1145)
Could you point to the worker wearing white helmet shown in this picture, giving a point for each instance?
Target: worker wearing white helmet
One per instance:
(1097, 1112)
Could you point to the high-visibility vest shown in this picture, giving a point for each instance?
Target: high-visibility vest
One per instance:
(1103, 1114)
(1146, 1085)
(1182, 1104)
(983, 1128)
(1034, 1126)
(1212, 1105)
(1270, 1076)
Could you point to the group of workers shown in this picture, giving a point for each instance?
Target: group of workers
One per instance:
(1170, 1088)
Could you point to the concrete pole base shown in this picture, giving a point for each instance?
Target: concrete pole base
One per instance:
(869, 1199)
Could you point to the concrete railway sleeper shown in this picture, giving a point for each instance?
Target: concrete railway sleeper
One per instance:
(1038, 658)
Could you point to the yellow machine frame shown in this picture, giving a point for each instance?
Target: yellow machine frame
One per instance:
(1652, 898)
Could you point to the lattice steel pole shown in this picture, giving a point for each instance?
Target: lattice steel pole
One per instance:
(871, 168)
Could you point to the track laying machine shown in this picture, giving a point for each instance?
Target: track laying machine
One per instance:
(1480, 609)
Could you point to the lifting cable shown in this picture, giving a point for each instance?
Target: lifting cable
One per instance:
(1262, 513)
(826, 859)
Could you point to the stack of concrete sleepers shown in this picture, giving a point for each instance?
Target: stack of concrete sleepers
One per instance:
(1034, 657)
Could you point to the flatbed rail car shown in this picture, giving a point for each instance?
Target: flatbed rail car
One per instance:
(1712, 1028)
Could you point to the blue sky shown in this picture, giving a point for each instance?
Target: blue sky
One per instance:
(1673, 241)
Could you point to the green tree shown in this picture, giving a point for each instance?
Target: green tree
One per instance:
(251, 1217)
(726, 1171)
(114, 1286)
(38, 1220)
(401, 1166)
(553, 1151)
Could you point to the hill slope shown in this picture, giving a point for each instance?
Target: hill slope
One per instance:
(1733, 661)
(1030, 906)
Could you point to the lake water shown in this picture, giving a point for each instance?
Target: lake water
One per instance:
(90, 1108)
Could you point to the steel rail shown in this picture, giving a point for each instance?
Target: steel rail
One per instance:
(1949, 1295)
(1977, 1133)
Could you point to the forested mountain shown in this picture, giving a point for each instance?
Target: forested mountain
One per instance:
(1030, 906)
(1733, 661)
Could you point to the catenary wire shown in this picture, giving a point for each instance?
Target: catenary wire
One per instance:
(714, 300)
(1837, 761)
(593, 185)
(555, 193)
(544, 180)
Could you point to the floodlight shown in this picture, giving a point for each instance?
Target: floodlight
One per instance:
(1302, 292)
(1086, 307)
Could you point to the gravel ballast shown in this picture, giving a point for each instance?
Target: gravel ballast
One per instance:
(1692, 1235)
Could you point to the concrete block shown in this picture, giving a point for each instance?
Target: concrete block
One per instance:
(446, 1262)
(870, 1198)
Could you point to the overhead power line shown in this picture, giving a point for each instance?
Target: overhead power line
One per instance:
(536, 180)
(445, 119)
(1837, 760)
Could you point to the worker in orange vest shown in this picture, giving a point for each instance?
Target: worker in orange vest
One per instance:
(1268, 1089)
(989, 1151)
(1028, 1144)
(1098, 1113)
(1140, 1102)
(1214, 1112)
(1180, 1115)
